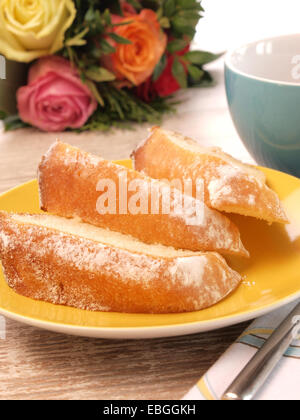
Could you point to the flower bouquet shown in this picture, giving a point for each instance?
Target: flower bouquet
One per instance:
(94, 64)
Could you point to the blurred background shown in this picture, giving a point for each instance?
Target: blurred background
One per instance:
(231, 23)
(203, 113)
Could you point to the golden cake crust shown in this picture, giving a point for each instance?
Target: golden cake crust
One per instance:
(230, 186)
(61, 268)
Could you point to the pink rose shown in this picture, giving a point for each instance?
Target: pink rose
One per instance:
(55, 97)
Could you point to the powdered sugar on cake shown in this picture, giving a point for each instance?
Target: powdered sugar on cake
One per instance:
(4, 239)
(221, 186)
(192, 270)
(48, 256)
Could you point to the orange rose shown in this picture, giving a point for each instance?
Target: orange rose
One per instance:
(136, 61)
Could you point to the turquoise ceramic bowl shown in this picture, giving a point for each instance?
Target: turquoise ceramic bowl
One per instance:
(263, 92)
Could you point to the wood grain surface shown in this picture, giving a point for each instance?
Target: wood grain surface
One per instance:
(37, 364)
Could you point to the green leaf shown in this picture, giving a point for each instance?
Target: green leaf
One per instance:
(195, 73)
(77, 40)
(14, 122)
(119, 39)
(107, 17)
(165, 23)
(177, 45)
(205, 81)
(179, 72)
(3, 115)
(160, 67)
(95, 92)
(106, 47)
(201, 57)
(90, 14)
(160, 13)
(188, 4)
(135, 4)
(190, 15)
(99, 74)
(182, 26)
(126, 22)
(169, 7)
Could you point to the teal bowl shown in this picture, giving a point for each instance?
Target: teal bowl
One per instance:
(263, 91)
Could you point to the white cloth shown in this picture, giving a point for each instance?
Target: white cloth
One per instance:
(284, 382)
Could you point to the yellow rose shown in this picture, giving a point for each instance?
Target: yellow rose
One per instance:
(33, 28)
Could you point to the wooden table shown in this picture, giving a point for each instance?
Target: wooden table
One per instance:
(37, 364)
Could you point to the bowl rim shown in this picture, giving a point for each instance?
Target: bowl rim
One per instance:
(232, 67)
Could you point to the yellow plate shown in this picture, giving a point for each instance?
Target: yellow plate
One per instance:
(271, 279)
